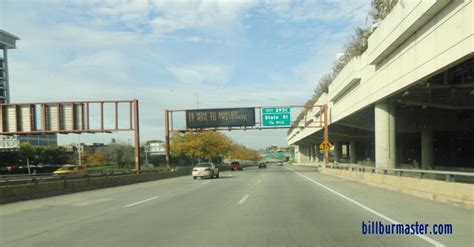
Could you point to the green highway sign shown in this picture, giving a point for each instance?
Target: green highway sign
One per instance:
(276, 116)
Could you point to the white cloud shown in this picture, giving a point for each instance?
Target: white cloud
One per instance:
(178, 15)
(109, 59)
(310, 10)
(200, 73)
(89, 51)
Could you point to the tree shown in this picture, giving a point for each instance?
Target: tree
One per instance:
(356, 46)
(28, 153)
(51, 155)
(240, 152)
(93, 158)
(35, 155)
(381, 8)
(119, 154)
(201, 145)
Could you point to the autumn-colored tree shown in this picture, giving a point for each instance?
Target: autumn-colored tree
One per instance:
(240, 152)
(201, 145)
(93, 158)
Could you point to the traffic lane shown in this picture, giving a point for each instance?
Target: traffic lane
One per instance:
(404, 208)
(42, 215)
(256, 208)
(285, 210)
(120, 227)
(225, 223)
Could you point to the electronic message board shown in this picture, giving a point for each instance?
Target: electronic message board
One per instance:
(214, 118)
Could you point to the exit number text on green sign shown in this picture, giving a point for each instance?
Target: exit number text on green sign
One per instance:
(276, 110)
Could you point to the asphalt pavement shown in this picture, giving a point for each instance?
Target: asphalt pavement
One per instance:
(277, 206)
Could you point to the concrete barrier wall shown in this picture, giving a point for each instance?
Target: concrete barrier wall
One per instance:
(450, 192)
(15, 193)
(314, 164)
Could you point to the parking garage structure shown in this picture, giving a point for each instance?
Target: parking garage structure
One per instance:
(408, 100)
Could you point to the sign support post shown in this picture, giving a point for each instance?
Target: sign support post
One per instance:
(243, 118)
(167, 139)
(137, 138)
(326, 134)
(64, 118)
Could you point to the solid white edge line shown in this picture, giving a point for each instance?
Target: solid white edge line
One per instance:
(136, 203)
(243, 199)
(430, 240)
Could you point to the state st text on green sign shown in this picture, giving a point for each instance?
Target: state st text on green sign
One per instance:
(276, 116)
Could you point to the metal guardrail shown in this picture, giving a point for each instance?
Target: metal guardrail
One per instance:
(449, 175)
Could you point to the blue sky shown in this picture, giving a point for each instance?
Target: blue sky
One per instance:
(229, 53)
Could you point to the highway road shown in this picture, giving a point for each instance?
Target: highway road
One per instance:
(277, 206)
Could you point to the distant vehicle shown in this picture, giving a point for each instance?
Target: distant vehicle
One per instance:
(280, 163)
(262, 165)
(70, 169)
(205, 169)
(235, 166)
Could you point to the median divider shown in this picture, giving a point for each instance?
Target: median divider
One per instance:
(15, 193)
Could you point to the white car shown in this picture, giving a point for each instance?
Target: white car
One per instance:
(205, 169)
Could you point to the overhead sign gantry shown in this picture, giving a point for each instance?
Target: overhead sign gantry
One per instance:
(73, 117)
(247, 118)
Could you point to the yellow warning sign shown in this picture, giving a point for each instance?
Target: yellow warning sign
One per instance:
(325, 146)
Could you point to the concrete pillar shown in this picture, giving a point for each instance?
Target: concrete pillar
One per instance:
(316, 153)
(346, 151)
(314, 148)
(453, 156)
(310, 148)
(303, 153)
(308, 153)
(427, 149)
(337, 152)
(385, 156)
(297, 154)
(353, 152)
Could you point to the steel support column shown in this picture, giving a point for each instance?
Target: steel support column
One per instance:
(167, 138)
(137, 137)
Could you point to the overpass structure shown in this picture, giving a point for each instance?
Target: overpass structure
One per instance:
(409, 98)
